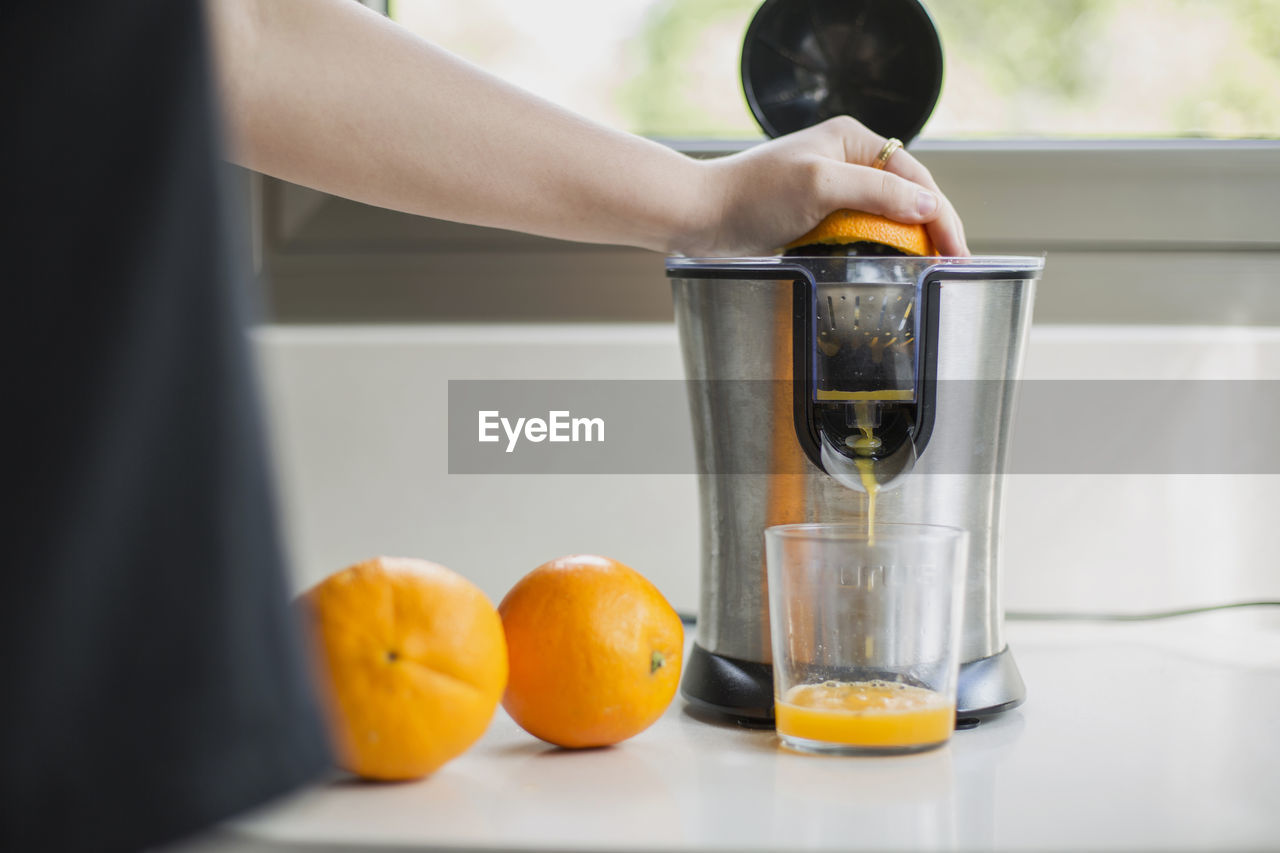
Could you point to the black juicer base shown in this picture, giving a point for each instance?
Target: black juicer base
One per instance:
(743, 690)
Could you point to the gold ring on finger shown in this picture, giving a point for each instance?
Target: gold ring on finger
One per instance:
(891, 146)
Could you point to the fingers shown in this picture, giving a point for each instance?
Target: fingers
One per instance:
(947, 235)
(877, 191)
(947, 231)
(905, 164)
(859, 147)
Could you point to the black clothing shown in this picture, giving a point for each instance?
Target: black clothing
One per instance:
(150, 677)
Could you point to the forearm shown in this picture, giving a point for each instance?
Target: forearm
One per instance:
(328, 94)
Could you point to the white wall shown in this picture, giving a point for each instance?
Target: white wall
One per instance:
(359, 419)
(360, 422)
(1148, 542)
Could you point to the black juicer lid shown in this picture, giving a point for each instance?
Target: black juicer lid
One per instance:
(880, 61)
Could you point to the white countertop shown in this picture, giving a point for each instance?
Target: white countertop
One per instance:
(1160, 735)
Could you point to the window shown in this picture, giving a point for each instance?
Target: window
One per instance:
(1028, 139)
(1014, 68)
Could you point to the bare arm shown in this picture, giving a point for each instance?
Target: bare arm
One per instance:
(331, 95)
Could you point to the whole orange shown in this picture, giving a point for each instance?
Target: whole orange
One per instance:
(413, 663)
(595, 651)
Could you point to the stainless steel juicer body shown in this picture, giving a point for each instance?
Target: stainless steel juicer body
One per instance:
(749, 331)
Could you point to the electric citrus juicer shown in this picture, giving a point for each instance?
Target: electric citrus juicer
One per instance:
(818, 382)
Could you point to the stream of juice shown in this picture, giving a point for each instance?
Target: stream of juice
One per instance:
(866, 713)
(866, 445)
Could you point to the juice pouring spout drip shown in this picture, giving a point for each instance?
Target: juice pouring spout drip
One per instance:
(864, 446)
(857, 464)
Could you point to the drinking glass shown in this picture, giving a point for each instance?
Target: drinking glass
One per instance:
(866, 628)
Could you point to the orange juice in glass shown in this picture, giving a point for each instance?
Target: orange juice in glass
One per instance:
(865, 635)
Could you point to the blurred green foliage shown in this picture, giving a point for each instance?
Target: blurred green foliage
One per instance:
(658, 97)
(1040, 45)
(1036, 67)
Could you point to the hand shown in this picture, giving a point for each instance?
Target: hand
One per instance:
(766, 197)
